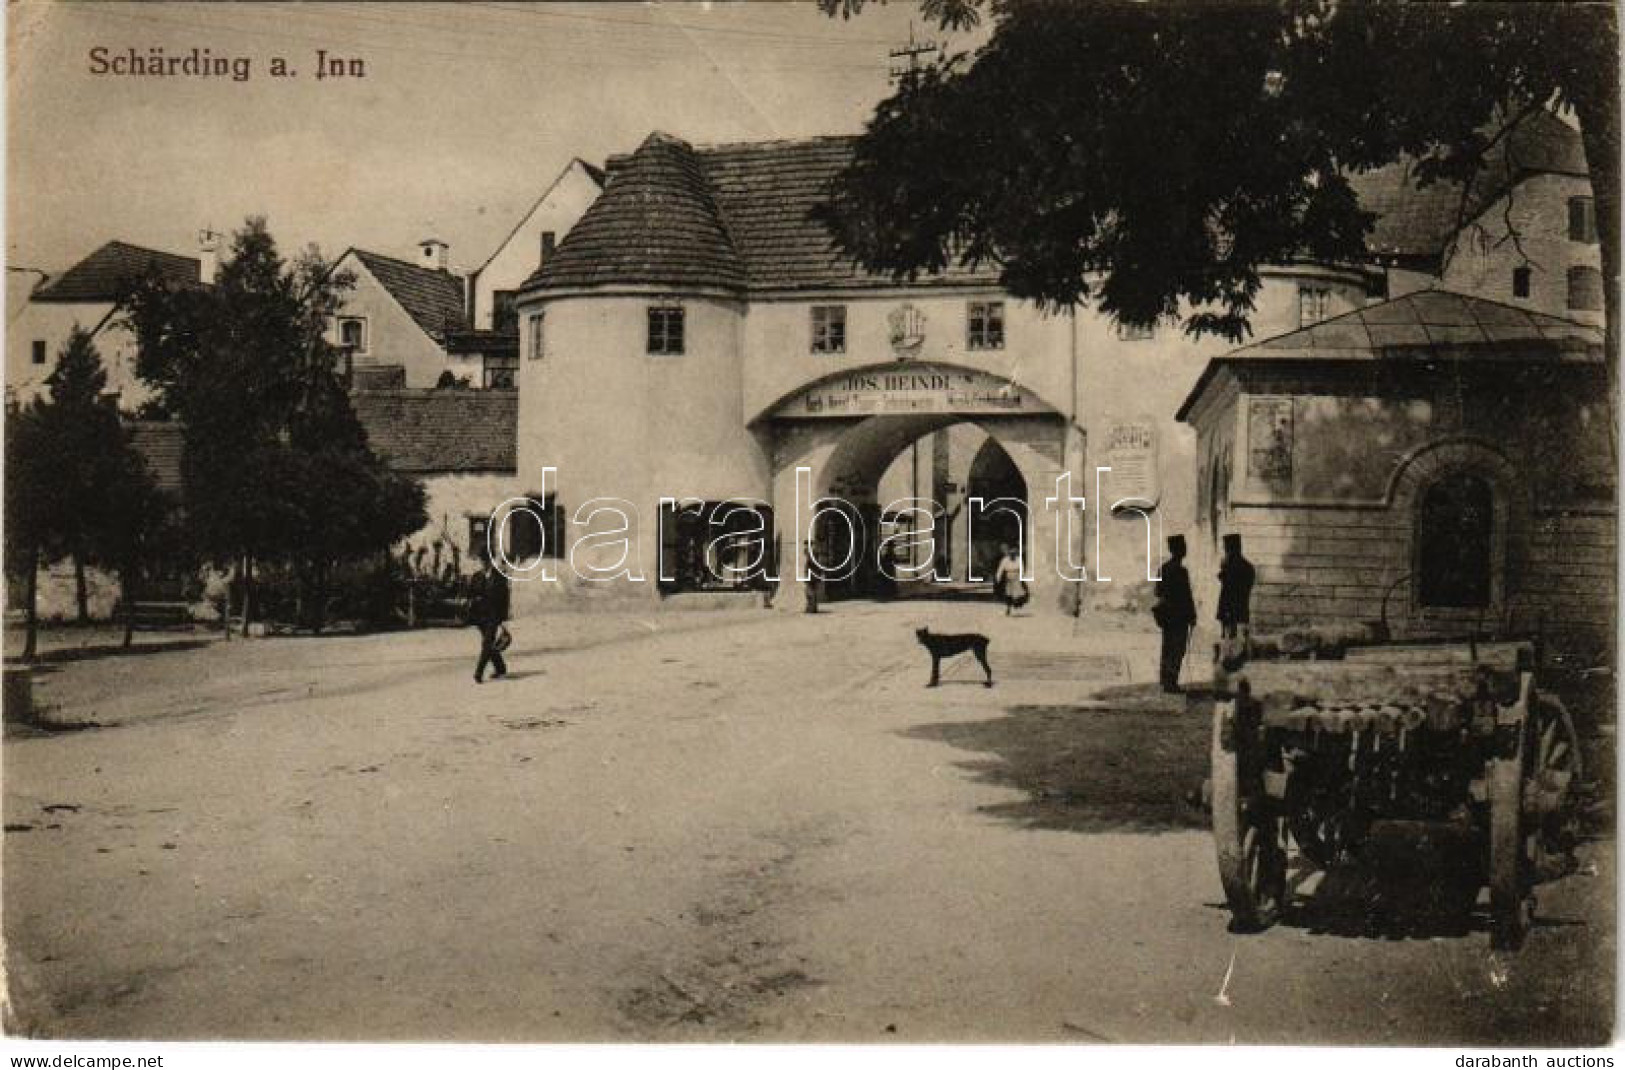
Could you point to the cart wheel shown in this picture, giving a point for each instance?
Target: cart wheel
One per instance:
(1252, 859)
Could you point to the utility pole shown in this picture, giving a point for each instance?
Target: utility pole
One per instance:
(912, 52)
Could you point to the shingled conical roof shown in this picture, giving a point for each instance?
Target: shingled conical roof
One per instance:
(656, 223)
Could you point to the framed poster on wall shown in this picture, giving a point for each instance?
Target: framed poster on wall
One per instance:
(1269, 438)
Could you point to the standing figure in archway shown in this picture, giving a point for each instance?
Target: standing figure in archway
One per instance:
(1174, 612)
(1007, 582)
(1236, 576)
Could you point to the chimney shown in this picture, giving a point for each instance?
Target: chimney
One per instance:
(208, 245)
(432, 254)
(548, 244)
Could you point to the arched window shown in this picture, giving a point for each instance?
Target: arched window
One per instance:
(1585, 289)
(1455, 528)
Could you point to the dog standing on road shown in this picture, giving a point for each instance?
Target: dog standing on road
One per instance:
(946, 646)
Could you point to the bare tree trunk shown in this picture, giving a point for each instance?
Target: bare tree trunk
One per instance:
(248, 592)
(127, 597)
(31, 643)
(80, 593)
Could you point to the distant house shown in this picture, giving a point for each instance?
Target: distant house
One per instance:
(395, 322)
(85, 296)
(407, 324)
(529, 244)
(1524, 233)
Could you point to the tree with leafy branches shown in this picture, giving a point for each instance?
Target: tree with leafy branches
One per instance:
(276, 465)
(1151, 157)
(91, 452)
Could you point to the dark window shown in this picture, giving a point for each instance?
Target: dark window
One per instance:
(1585, 289)
(985, 323)
(1582, 220)
(39, 351)
(532, 531)
(504, 318)
(1129, 332)
(538, 337)
(353, 334)
(1520, 282)
(1454, 530)
(501, 373)
(829, 329)
(665, 330)
(1314, 302)
(715, 546)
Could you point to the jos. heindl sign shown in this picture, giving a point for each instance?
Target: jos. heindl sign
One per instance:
(917, 388)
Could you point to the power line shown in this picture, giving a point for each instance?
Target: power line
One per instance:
(481, 51)
(913, 50)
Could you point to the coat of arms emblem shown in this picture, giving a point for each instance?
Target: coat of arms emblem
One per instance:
(907, 325)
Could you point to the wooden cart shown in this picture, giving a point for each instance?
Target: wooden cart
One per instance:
(1346, 761)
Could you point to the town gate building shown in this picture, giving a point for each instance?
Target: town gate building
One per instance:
(695, 338)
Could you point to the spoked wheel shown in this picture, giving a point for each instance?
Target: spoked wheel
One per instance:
(1248, 834)
(1530, 837)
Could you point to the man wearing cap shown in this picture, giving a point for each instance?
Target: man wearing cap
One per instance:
(1174, 612)
(1236, 575)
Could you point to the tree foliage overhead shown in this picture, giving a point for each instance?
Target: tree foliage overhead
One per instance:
(1153, 156)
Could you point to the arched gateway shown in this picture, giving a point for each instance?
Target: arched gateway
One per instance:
(917, 472)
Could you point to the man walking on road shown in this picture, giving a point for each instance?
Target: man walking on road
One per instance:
(1174, 612)
(487, 609)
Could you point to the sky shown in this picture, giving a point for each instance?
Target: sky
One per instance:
(465, 115)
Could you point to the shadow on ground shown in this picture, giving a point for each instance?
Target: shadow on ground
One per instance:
(1114, 765)
(67, 655)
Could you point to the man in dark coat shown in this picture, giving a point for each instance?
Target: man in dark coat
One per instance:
(1174, 612)
(487, 609)
(1236, 575)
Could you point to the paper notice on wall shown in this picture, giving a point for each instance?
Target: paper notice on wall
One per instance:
(1131, 454)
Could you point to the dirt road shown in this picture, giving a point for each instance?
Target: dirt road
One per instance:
(740, 827)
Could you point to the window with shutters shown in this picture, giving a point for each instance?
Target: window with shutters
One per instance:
(1314, 305)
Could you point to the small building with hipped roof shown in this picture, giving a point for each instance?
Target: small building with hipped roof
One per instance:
(1438, 464)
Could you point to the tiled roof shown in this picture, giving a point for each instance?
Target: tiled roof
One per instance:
(495, 342)
(103, 275)
(1421, 222)
(434, 299)
(428, 431)
(160, 444)
(728, 216)
(656, 222)
(739, 215)
(1428, 324)
(379, 376)
(768, 190)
